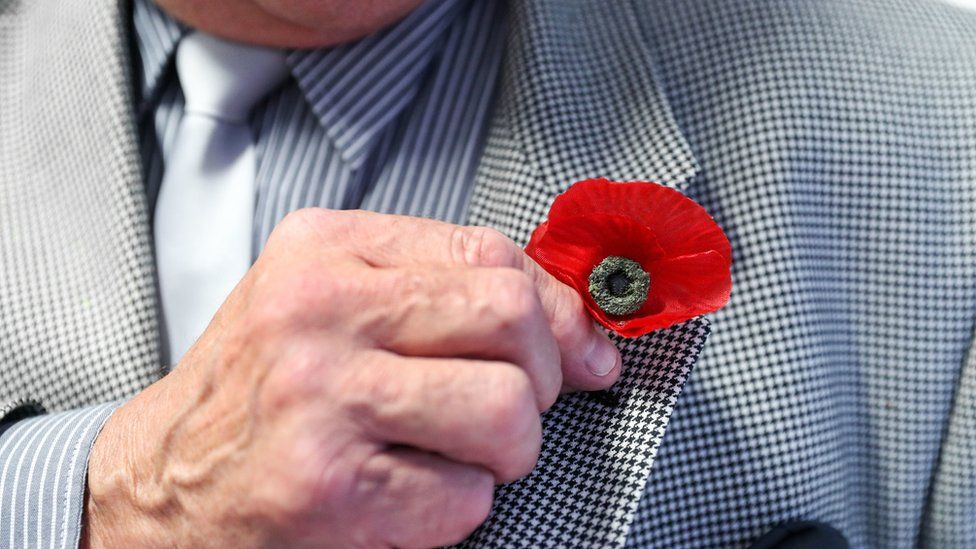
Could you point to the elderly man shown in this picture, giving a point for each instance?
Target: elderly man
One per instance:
(261, 277)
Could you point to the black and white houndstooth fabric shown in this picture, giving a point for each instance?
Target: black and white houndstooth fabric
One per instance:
(834, 140)
(550, 131)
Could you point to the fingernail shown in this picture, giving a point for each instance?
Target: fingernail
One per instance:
(602, 358)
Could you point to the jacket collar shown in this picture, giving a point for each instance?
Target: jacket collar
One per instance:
(579, 98)
(388, 67)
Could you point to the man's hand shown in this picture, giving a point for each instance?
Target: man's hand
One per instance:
(366, 385)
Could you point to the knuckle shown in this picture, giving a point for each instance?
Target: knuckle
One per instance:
(508, 401)
(331, 291)
(513, 424)
(512, 298)
(569, 316)
(319, 482)
(300, 222)
(485, 247)
(311, 480)
(410, 285)
(303, 297)
(549, 393)
(295, 379)
(472, 510)
(399, 296)
(374, 397)
(315, 224)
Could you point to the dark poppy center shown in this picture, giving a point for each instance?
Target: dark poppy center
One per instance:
(619, 285)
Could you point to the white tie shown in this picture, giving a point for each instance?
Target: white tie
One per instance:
(206, 203)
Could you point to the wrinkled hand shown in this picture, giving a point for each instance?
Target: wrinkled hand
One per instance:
(366, 384)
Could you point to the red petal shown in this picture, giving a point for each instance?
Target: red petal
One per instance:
(673, 238)
(681, 225)
(573, 247)
(681, 288)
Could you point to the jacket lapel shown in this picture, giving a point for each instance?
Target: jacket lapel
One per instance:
(82, 324)
(578, 99)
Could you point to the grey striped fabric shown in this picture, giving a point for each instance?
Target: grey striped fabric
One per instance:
(394, 123)
(43, 463)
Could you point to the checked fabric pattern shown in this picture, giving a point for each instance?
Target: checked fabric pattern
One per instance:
(78, 320)
(596, 453)
(834, 140)
(597, 449)
(836, 143)
(606, 442)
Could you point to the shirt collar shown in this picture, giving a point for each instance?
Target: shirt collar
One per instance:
(156, 37)
(355, 90)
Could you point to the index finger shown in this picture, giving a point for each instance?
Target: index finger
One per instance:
(590, 360)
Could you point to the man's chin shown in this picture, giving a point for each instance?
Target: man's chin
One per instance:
(296, 24)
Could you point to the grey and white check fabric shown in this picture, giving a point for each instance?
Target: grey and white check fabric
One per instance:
(837, 147)
(597, 449)
(834, 140)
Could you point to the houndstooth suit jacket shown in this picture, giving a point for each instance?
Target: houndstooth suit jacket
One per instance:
(835, 140)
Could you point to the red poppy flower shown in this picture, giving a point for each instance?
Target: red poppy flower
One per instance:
(642, 256)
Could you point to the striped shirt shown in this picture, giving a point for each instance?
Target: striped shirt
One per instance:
(394, 123)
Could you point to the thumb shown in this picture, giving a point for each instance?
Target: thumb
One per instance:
(590, 361)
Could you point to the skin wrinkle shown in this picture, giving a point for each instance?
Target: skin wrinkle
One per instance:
(369, 483)
(145, 492)
(261, 435)
(330, 485)
(194, 470)
(254, 438)
(175, 470)
(165, 501)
